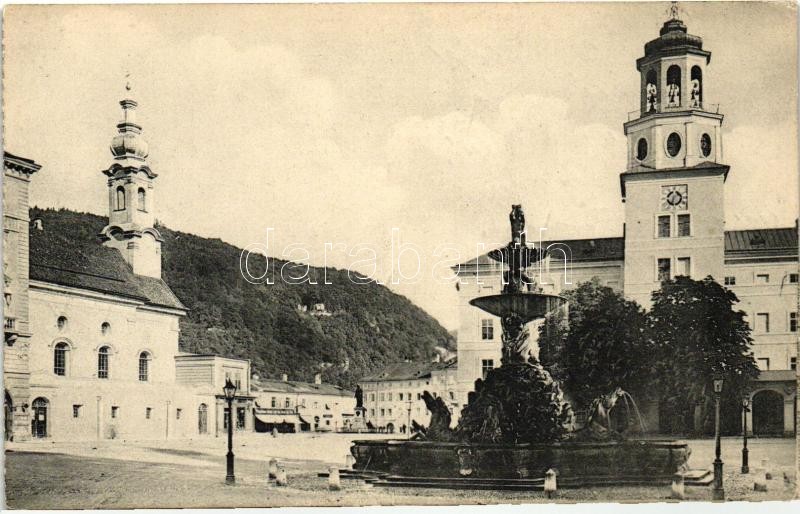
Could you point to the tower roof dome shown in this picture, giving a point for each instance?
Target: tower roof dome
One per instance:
(129, 143)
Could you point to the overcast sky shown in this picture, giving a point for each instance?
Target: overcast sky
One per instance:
(335, 124)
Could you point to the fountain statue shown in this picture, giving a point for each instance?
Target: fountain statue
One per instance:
(516, 423)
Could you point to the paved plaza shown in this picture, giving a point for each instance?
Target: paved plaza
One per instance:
(169, 474)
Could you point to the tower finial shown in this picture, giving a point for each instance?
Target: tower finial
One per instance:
(674, 10)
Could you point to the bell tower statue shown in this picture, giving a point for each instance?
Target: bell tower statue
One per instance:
(131, 203)
(673, 184)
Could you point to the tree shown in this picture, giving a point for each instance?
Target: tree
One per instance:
(697, 334)
(602, 344)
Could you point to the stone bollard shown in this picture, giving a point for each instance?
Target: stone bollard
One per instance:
(280, 477)
(678, 487)
(274, 432)
(765, 467)
(349, 461)
(334, 484)
(550, 484)
(760, 479)
(272, 469)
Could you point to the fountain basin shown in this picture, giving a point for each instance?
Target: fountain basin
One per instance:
(642, 460)
(528, 306)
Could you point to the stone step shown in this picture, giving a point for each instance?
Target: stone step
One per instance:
(518, 484)
(698, 477)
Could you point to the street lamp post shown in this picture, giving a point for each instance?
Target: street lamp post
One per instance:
(745, 451)
(719, 492)
(408, 427)
(230, 392)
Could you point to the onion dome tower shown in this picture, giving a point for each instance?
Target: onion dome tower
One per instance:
(131, 205)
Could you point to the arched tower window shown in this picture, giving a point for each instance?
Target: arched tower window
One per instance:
(696, 92)
(60, 359)
(120, 198)
(674, 86)
(61, 322)
(651, 92)
(142, 206)
(102, 362)
(105, 328)
(144, 366)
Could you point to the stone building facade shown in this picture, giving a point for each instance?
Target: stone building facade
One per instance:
(674, 225)
(91, 327)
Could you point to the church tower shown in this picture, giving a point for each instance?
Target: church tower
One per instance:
(131, 204)
(673, 184)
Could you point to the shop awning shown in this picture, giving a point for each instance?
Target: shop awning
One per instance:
(276, 419)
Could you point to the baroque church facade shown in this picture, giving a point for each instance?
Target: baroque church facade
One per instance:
(672, 191)
(92, 329)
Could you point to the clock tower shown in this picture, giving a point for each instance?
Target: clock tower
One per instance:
(673, 184)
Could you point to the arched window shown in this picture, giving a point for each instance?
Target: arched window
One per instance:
(651, 92)
(696, 92)
(142, 206)
(202, 418)
(120, 198)
(60, 359)
(105, 328)
(39, 417)
(102, 362)
(61, 322)
(674, 86)
(144, 365)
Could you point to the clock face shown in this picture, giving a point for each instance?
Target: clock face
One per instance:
(674, 197)
(673, 144)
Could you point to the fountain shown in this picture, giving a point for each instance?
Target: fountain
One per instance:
(516, 425)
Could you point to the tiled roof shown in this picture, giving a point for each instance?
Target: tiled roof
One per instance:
(583, 250)
(762, 241)
(291, 386)
(408, 371)
(57, 258)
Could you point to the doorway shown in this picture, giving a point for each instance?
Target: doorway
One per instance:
(39, 419)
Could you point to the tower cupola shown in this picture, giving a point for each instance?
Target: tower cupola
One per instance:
(129, 143)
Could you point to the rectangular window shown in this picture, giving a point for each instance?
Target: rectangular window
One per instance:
(792, 322)
(274, 402)
(371, 398)
(383, 412)
(664, 271)
(390, 412)
(762, 322)
(316, 404)
(147, 412)
(793, 363)
(664, 225)
(762, 278)
(372, 412)
(287, 402)
(763, 364)
(486, 366)
(487, 329)
(382, 397)
(684, 225)
(240, 413)
(401, 397)
(389, 396)
(685, 266)
(143, 362)
(794, 278)
(114, 412)
(730, 281)
(60, 360)
(76, 411)
(178, 413)
(238, 381)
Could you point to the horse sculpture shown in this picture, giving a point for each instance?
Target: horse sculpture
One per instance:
(439, 427)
